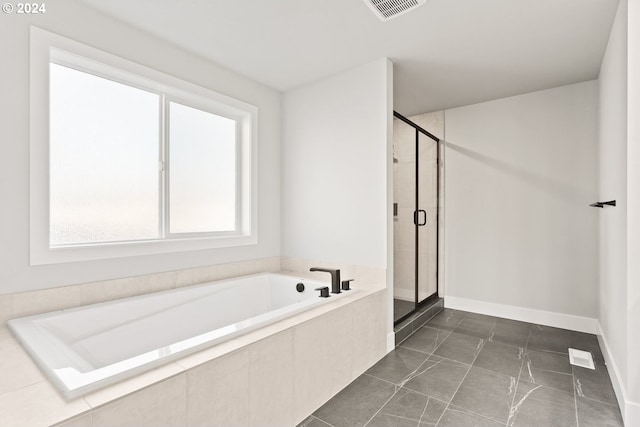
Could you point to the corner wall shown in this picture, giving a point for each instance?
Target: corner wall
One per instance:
(521, 239)
(612, 155)
(81, 23)
(632, 415)
(334, 168)
(619, 314)
(336, 163)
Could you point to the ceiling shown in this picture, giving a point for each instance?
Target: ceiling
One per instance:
(446, 53)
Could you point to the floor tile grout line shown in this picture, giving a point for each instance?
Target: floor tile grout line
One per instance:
(446, 408)
(451, 360)
(484, 341)
(428, 397)
(503, 343)
(417, 392)
(486, 417)
(554, 372)
(521, 401)
(599, 401)
(320, 419)
(415, 373)
(554, 388)
(423, 394)
(441, 342)
(440, 328)
(429, 319)
(555, 353)
(452, 328)
(413, 349)
(378, 378)
(548, 400)
(573, 378)
(395, 391)
(459, 385)
(524, 354)
(463, 378)
(435, 348)
(424, 411)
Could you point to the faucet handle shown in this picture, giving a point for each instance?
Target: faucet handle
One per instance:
(324, 291)
(346, 285)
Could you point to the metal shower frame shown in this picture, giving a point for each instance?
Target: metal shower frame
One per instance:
(418, 131)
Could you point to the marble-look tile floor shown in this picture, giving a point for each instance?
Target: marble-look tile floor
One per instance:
(468, 370)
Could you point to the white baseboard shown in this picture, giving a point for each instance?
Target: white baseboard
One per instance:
(540, 317)
(630, 410)
(391, 342)
(612, 368)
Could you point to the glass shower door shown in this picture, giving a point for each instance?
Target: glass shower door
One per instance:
(416, 183)
(427, 256)
(404, 229)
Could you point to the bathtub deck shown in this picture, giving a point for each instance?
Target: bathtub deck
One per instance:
(27, 398)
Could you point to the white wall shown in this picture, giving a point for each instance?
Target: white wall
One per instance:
(633, 213)
(520, 175)
(337, 186)
(334, 176)
(612, 155)
(619, 309)
(78, 22)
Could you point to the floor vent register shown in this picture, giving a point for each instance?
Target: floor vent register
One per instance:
(581, 358)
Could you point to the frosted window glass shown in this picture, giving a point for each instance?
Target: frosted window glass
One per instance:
(104, 136)
(202, 175)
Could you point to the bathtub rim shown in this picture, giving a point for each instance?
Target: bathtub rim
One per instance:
(95, 387)
(220, 282)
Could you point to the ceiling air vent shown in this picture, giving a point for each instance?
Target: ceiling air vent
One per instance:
(388, 9)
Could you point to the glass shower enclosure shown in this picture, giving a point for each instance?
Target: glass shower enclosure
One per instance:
(415, 208)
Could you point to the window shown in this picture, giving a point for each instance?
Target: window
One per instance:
(138, 162)
(110, 161)
(202, 170)
(103, 149)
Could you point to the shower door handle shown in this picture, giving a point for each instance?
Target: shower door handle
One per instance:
(416, 215)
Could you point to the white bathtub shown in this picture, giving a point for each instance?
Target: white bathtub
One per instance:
(85, 348)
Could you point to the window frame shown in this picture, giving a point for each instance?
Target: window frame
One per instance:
(46, 47)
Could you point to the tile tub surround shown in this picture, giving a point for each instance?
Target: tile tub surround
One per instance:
(350, 332)
(364, 276)
(42, 301)
(468, 370)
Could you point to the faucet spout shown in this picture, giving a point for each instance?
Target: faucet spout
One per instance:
(335, 278)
